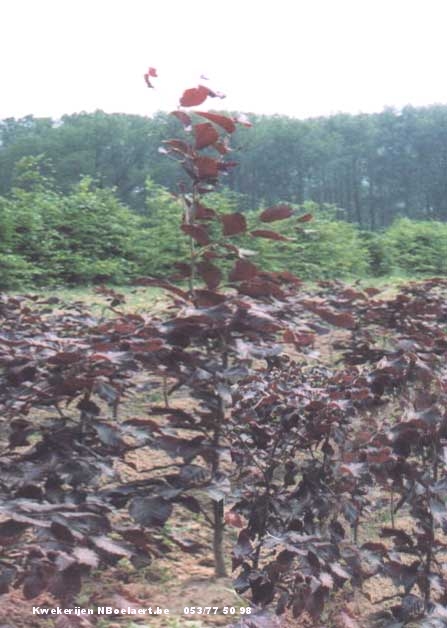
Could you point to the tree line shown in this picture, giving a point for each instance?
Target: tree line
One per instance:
(376, 167)
(87, 235)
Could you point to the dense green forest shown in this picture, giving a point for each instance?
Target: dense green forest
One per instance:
(89, 198)
(375, 166)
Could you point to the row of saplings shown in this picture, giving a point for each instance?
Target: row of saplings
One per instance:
(318, 455)
(301, 458)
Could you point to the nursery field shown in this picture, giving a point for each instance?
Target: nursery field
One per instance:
(220, 444)
(281, 459)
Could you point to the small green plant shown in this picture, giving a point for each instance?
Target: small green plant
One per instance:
(417, 246)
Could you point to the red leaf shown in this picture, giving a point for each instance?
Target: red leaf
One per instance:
(207, 298)
(183, 117)
(195, 96)
(287, 277)
(305, 218)
(210, 274)
(234, 223)
(378, 548)
(150, 72)
(155, 344)
(299, 339)
(351, 295)
(206, 168)
(243, 270)
(184, 270)
(149, 424)
(339, 319)
(234, 519)
(288, 336)
(204, 213)
(270, 235)
(197, 233)
(205, 135)
(258, 288)
(66, 357)
(211, 255)
(279, 212)
(223, 121)
(179, 146)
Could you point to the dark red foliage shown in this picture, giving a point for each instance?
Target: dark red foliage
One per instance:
(210, 274)
(259, 288)
(339, 319)
(223, 121)
(308, 446)
(305, 218)
(184, 118)
(279, 212)
(243, 270)
(233, 224)
(195, 96)
(179, 146)
(205, 168)
(270, 235)
(203, 213)
(205, 135)
(197, 233)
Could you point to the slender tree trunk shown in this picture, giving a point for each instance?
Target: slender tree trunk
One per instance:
(300, 188)
(356, 195)
(218, 516)
(428, 561)
(218, 540)
(372, 209)
(218, 507)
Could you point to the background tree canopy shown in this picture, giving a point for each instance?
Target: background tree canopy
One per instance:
(376, 166)
(88, 198)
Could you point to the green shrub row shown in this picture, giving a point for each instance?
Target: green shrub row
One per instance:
(88, 236)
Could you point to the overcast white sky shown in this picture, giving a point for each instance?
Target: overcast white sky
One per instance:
(296, 57)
